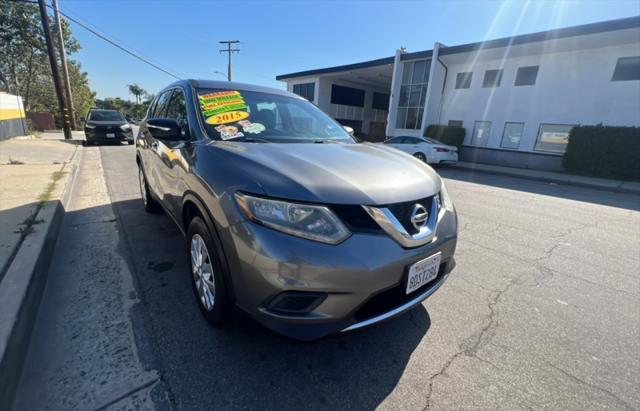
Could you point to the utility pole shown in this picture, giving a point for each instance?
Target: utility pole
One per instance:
(65, 70)
(229, 51)
(54, 67)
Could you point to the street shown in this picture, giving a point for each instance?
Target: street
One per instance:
(542, 311)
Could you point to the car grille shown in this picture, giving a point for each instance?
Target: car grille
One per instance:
(402, 211)
(356, 219)
(393, 297)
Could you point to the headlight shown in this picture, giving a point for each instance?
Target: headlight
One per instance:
(125, 127)
(444, 197)
(312, 222)
(89, 126)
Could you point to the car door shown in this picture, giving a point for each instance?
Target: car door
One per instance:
(398, 143)
(150, 156)
(175, 166)
(420, 145)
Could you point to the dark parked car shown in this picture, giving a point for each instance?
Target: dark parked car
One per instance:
(107, 126)
(285, 216)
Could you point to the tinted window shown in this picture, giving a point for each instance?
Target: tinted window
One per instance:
(105, 115)
(306, 90)
(526, 76)
(161, 104)
(380, 101)
(347, 96)
(627, 68)
(177, 110)
(492, 78)
(463, 80)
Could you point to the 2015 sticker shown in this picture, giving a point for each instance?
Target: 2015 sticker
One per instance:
(227, 117)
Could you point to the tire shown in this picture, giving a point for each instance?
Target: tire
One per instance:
(207, 277)
(420, 156)
(150, 203)
(130, 142)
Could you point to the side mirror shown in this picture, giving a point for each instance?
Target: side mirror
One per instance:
(164, 129)
(349, 130)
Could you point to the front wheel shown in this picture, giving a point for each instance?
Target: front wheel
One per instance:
(421, 157)
(206, 274)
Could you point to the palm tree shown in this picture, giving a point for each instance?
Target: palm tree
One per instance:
(137, 91)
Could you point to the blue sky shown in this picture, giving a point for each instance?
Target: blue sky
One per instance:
(288, 36)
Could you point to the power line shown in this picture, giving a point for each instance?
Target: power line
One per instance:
(108, 40)
(229, 51)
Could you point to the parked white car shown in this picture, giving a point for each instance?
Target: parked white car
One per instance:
(424, 148)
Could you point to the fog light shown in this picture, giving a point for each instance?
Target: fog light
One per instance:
(296, 302)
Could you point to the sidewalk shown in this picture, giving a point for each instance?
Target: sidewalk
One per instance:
(35, 175)
(630, 187)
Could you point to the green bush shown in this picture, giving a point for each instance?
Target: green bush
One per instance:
(452, 135)
(604, 151)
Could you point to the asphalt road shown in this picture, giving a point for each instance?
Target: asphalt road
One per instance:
(542, 311)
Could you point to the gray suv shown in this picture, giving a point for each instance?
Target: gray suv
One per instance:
(286, 216)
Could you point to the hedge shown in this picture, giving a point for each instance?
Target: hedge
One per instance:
(452, 135)
(604, 151)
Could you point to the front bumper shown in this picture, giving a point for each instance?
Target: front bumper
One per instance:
(101, 136)
(361, 279)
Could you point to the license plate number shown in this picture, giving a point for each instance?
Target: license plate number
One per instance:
(423, 272)
(111, 135)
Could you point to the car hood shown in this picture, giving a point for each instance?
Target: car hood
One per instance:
(331, 173)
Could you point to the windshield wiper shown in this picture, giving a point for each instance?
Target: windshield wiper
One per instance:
(248, 139)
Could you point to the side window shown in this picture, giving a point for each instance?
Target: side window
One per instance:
(415, 140)
(161, 105)
(177, 110)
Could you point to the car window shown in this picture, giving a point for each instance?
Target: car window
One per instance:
(415, 140)
(244, 115)
(161, 104)
(177, 110)
(105, 115)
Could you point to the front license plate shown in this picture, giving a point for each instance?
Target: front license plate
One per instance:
(111, 135)
(422, 272)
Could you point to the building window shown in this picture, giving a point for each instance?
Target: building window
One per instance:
(380, 101)
(306, 90)
(347, 96)
(463, 80)
(526, 76)
(413, 91)
(512, 135)
(492, 78)
(627, 68)
(553, 137)
(481, 130)
(455, 123)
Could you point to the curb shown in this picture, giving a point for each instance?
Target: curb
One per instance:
(618, 188)
(23, 284)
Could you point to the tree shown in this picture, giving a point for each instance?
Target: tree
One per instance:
(24, 66)
(137, 92)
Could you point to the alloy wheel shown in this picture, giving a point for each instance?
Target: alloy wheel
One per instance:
(202, 269)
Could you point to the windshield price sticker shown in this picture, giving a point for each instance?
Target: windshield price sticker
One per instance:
(227, 117)
(221, 102)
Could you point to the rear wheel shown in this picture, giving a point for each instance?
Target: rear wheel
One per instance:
(206, 274)
(420, 156)
(130, 142)
(150, 204)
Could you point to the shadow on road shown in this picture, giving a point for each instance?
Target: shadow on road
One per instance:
(246, 365)
(589, 195)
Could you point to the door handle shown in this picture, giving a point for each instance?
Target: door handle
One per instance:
(154, 146)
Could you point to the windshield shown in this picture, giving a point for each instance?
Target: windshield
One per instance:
(106, 116)
(250, 115)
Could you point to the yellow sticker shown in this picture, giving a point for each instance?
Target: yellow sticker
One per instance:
(228, 117)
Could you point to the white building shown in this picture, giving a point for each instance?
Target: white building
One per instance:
(516, 97)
